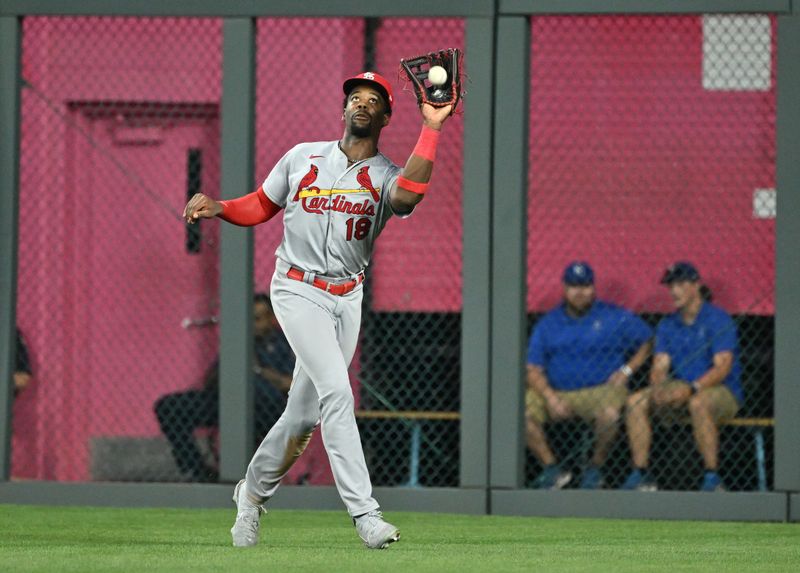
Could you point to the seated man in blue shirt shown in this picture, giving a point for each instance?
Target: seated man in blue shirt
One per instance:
(580, 358)
(698, 344)
(180, 413)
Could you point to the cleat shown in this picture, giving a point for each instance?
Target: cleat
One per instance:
(245, 530)
(374, 531)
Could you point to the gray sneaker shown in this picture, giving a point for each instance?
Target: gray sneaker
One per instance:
(374, 531)
(245, 529)
(552, 477)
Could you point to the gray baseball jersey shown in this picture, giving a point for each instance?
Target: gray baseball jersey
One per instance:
(332, 213)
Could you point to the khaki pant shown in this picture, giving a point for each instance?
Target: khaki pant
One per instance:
(585, 403)
(723, 403)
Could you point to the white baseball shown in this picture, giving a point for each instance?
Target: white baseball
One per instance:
(437, 75)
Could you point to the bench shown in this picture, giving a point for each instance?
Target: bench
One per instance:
(414, 418)
(757, 426)
(149, 459)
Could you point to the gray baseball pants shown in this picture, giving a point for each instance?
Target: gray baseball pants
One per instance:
(322, 330)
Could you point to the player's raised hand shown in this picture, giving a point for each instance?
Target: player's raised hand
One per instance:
(201, 206)
(434, 117)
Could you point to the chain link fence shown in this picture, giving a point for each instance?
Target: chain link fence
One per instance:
(118, 298)
(406, 371)
(652, 142)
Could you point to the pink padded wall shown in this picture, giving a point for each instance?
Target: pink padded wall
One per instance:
(634, 164)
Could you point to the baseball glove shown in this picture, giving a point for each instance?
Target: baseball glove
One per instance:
(449, 93)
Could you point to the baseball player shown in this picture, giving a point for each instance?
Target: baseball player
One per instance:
(336, 197)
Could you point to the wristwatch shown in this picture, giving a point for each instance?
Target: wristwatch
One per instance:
(626, 370)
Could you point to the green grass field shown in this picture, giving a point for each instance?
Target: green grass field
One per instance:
(84, 539)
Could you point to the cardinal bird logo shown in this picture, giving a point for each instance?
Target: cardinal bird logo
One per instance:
(366, 182)
(306, 181)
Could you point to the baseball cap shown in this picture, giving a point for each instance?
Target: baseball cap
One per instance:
(680, 271)
(578, 273)
(376, 80)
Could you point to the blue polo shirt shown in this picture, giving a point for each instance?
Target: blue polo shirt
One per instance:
(691, 347)
(582, 352)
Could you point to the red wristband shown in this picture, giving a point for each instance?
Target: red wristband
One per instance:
(413, 186)
(426, 144)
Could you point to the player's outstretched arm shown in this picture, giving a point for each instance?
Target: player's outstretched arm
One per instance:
(246, 211)
(413, 181)
(201, 206)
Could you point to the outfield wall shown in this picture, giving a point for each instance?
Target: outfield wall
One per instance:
(472, 249)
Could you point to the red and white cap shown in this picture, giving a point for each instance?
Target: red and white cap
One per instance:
(377, 80)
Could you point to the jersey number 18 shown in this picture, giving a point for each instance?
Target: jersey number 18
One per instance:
(358, 229)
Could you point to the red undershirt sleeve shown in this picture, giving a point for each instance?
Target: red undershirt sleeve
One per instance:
(252, 209)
